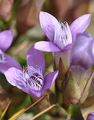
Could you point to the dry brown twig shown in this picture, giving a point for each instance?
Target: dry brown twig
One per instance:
(20, 112)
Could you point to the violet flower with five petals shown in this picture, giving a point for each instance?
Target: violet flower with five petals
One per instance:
(32, 79)
(6, 61)
(60, 35)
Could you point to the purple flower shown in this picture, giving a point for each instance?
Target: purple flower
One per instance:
(83, 51)
(6, 61)
(32, 79)
(90, 116)
(60, 35)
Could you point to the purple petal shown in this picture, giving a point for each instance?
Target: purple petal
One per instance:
(35, 58)
(92, 49)
(6, 38)
(10, 62)
(15, 77)
(48, 24)
(81, 51)
(90, 116)
(35, 93)
(13, 62)
(49, 79)
(80, 24)
(46, 46)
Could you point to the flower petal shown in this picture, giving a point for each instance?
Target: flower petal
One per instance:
(48, 24)
(35, 93)
(10, 62)
(6, 38)
(15, 77)
(80, 24)
(46, 46)
(13, 62)
(81, 51)
(35, 58)
(49, 79)
(90, 116)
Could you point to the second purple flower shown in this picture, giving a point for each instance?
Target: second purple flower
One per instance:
(32, 79)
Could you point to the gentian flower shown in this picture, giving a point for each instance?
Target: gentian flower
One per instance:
(32, 79)
(6, 61)
(60, 35)
(90, 116)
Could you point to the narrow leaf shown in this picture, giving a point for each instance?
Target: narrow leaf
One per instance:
(44, 111)
(20, 112)
(4, 112)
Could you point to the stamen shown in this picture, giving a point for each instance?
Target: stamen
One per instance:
(63, 36)
(67, 33)
(33, 77)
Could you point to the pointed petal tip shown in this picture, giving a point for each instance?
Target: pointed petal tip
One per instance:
(42, 13)
(85, 16)
(6, 39)
(48, 24)
(49, 80)
(88, 16)
(9, 32)
(80, 24)
(56, 73)
(45, 15)
(44, 18)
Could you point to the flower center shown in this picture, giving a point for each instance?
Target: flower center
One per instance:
(63, 36)
(2, 57)
(33, 77)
